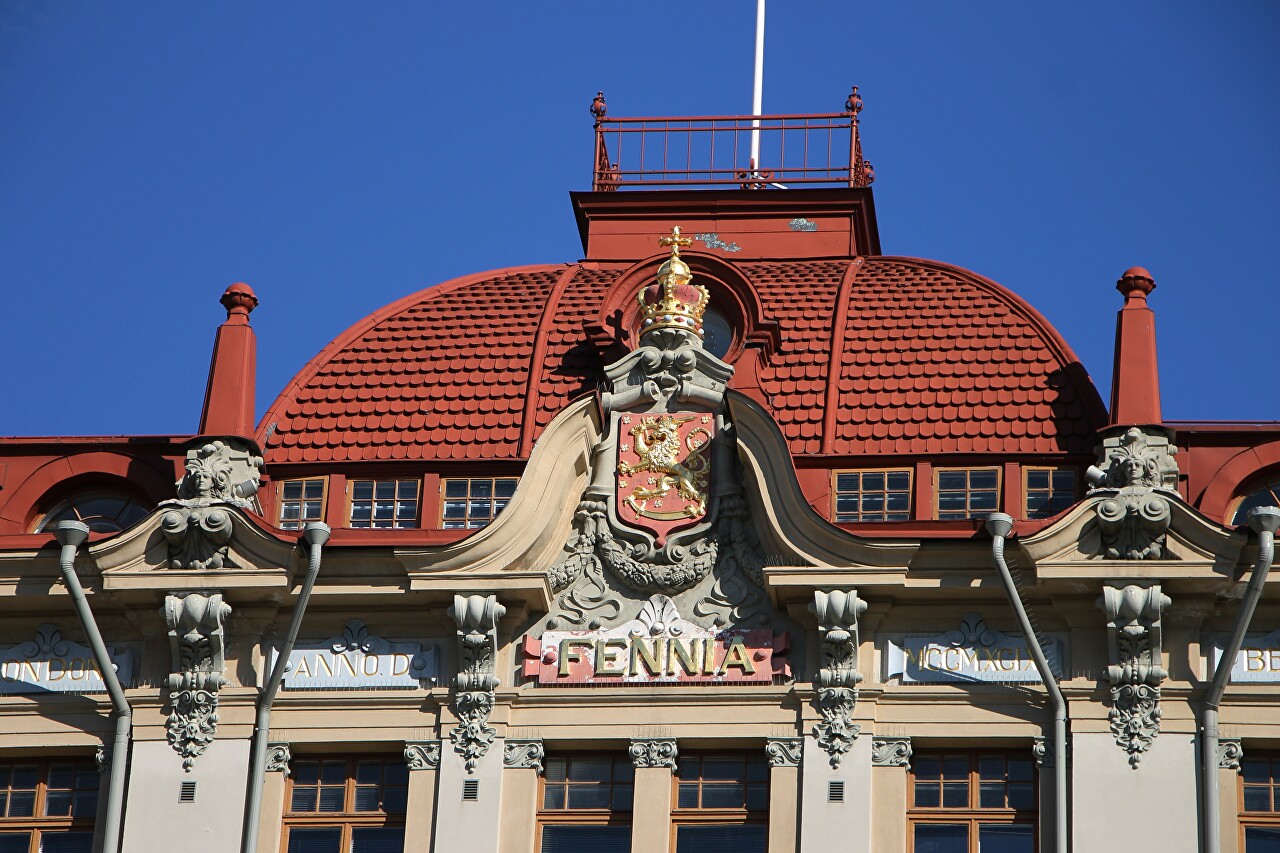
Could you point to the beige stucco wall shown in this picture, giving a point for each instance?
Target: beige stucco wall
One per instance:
(155, 820)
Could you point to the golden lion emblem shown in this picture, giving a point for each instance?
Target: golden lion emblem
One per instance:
(659, 447)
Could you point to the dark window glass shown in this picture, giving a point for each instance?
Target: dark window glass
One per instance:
(384, 504)
(48, 806)
(1049, 491)
(743, 838)
(104, 512)
(975, 802)
(586, 839)
(873, 496)
(967, 492)
(473, 503)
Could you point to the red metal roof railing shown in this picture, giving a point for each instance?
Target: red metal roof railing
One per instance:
(822, 149)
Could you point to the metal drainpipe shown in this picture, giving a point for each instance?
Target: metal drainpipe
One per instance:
(999, 525)
(315, 534)
(1265, 520)
(71, 535)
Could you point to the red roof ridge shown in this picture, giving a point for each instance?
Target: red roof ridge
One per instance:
(837, 352)
(360, 327)
(528, 423)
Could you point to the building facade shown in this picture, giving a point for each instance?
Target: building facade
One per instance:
(734, 535)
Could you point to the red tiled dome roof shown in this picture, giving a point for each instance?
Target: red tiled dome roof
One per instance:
(876, 356)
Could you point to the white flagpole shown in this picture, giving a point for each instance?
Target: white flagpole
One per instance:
(758, 98)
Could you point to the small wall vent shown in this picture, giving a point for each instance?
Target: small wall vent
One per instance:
(187, 792)
(835, 792)
(471, 789)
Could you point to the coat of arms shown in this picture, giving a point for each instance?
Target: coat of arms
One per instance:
(664, 470)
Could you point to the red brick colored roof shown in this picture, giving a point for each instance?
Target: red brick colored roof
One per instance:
(878, 356)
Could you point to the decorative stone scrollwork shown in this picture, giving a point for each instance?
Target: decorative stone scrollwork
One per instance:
(197, 526)
(477, 619)
(1134, 638)
(784, 752)
(1136, 480)
(278, 757)
(102, 759)
(1230, 751)
(653, 752)
(197, 646)
(1042, 751)
(838, 677)
(890, 752)
(523, 754)
(422, 754)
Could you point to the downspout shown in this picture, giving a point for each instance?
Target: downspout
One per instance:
(71, 535)
(315, 534)
(1264, 520)
(999, 525)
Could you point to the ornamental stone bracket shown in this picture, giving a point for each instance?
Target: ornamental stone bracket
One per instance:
(1134, 479)
(1230, 752)
(197, 645)
(653, 752)
(196, 525)
(477, 619)
(838, 676)
(279, 755)
(890, 752)
(784, 752)
(1042, 751)
(1135, 674)
(523, 755)
(422, 754)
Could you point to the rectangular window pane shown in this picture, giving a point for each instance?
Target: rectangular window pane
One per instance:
(590, 796)
(928, 796)
(15, 842)
(383, 839)
(1006, 838)
(744, 838)
(941, 838)
(1257, 798)
(1257, 839)
(66, 842)
(586, 839)
(321, 840)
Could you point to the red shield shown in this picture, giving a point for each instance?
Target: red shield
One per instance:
(664, 470)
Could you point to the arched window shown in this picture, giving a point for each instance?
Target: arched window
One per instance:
(103, 511)
(1268, 495)
(717, 332)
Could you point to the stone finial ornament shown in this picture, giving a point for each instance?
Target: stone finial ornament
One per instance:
(838, 676)
(196, 525)
(1136, 671)
(197, 645)
(239, 300)
(477, 619)
(853, 103)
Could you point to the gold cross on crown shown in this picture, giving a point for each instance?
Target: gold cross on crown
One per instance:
(675, 241)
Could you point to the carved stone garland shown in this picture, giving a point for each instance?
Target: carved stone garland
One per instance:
(838, 676)
(197, 526)
(1135, 674)
(1138, 475)
(477, 619)
(197, 648)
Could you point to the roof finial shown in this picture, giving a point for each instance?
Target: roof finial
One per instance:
(673, 303)
(239, 300)
(1136, 283)
(598, 107)
(853, 104)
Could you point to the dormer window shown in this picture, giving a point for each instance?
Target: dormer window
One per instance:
(103, 511)
(1268, 495)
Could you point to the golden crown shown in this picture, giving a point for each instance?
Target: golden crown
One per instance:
(673, 303)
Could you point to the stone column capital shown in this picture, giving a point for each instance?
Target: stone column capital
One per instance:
(653, 752)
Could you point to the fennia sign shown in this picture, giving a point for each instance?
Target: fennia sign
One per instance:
(1258, 661)
(51, 664)
(973, 652)
(657, 647)
(357, 661)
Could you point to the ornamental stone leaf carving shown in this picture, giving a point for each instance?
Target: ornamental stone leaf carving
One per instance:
(838, 676)
(278, 757)
(523, 754)
(784, 752)
(198, 664)
(653, 752)
(1230, 752)
(422, 754)
(473, 697)
(1136, 671)
(890, 752)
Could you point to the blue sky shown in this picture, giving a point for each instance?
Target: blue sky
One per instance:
(338, 156)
